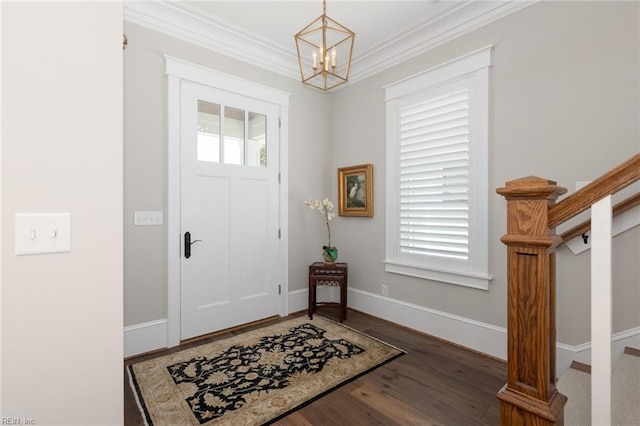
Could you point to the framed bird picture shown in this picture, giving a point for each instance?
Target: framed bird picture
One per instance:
(355, 191)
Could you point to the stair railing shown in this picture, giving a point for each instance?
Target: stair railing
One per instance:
(530, 396)
(582, 228)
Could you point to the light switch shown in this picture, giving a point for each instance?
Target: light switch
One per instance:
(39, 233)
(147, 218)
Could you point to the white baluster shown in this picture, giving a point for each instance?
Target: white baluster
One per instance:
(601, 305)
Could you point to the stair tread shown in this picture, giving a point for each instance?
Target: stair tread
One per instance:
(576, 385)
(632, 351)
(625, 388)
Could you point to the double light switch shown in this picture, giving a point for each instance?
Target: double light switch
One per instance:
(39, 233)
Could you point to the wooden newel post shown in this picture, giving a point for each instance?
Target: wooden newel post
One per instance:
(530, 396)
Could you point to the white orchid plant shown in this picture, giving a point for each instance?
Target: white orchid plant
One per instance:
(324, 207)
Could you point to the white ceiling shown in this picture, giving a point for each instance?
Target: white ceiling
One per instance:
(373, 22)
(261, 32)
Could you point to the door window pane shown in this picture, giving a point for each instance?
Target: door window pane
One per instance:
(257, 143)
(208, 132)
(233, 136)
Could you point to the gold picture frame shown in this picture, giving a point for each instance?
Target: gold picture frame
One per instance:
(355, 191)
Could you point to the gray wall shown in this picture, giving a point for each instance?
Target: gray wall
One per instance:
(563, 105)
(62, 152)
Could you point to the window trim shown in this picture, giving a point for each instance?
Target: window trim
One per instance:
(475, 275)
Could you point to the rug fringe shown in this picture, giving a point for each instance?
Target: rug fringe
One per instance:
(134, 386)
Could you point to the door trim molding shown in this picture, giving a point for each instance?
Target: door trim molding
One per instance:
(178, 70)
(189, 71)
(174, 248)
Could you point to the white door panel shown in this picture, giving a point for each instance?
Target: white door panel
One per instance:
(231, 277)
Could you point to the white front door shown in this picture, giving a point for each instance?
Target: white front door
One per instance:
(229, 208)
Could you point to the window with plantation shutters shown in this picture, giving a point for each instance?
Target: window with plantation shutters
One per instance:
(434, 175)
(437, 189)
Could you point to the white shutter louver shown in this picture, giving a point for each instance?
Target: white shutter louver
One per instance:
(434, 176)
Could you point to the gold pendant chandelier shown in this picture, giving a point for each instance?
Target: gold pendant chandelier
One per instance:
(324, 52)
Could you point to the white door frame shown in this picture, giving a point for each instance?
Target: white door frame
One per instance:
(178, 70)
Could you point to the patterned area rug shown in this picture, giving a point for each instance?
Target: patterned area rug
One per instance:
(257, 377)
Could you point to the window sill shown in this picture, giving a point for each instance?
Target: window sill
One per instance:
(465, 279)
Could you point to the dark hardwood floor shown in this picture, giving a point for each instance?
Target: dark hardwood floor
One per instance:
(435, 383)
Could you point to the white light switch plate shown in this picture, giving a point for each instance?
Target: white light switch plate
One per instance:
(40, 233)
(147, 218)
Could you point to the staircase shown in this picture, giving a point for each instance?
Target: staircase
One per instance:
(575, 383)
(532, 395)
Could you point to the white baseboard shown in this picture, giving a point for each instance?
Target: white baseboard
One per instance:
(152, 335)
(476, 335)
(145, 337)
(565, 354)
(298, 300)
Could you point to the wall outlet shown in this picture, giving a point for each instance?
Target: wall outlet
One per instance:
(385, 290)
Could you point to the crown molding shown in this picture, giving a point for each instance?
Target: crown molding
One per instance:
(178, 20)
(457, 22)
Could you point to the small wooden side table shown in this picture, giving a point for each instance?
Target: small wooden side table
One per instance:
(331, 275)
